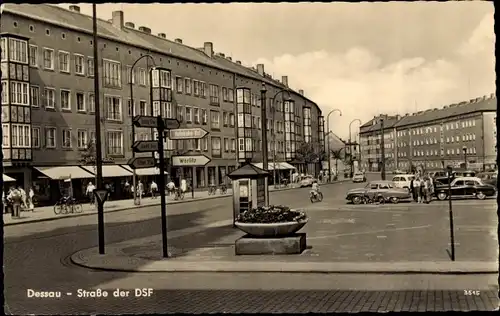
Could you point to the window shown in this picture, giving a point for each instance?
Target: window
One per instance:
(203, 87)
(115, 142)
(214, 94)
(113, 108)
(21, 135)
(231, 95)
(180, 113)
(216, 147)
(204, 117)
(79, 65)
(6, 133)
(18, 50)
(225, 119)
(156, 108)
(112, 74)
(35, 96)
(130, 76)
(189, 115)
(168, 110)
(5, 92)
(187, 85)
(91, 103)
(142, 76)
(196, 115)
(63, 61)
(226, 144)
(50, 98)
(33, 56)
(3, 42)
(231, 119)
(66, 138)
(19, 93)
(225, 96)
(233, 145)
(82, 140)
(131, 107)
(90, 66)
(80, 102)
(214, 119)
(35, 137)
(143, 108)
(65, 100)
(179, 84)
(196, 88)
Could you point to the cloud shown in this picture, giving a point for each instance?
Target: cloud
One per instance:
(357, 83)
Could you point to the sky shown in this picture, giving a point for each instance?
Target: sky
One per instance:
(362, 58)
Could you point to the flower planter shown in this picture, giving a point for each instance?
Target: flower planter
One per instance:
(269, 230)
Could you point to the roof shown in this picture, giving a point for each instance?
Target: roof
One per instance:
(477, 105)
(389, 122)
(248, 171)
(77, 21)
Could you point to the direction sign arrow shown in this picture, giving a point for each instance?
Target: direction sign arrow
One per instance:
(199, 160)
(101, 195)
(142, 162)
(152, 122)
(143, 146)
(187, 133)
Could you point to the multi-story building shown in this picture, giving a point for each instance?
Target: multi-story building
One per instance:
(48, 99)
(370, 135)
(436, 138)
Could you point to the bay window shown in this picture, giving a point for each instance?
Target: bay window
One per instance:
(18, 50)
(19, 93)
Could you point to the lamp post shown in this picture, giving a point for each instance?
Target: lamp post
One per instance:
(464, 149)
(273, 102)
(450, 213)
(137, 199)
(350, 142)
(263, 122)
(382, 149)
(328, 141)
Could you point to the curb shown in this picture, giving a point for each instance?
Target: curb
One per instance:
(125, 208)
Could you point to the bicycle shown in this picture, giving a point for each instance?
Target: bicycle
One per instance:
(179, 195)
(212, 190)
(223, 189)
(67, 205)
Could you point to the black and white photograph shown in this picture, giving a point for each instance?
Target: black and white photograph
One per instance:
(293, 157)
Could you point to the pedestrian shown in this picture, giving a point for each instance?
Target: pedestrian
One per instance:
(183, 185)
(16, 199)
(4, 202)
(140, 189)
(154, 189)
(412, 190)
(31, 198)
(90, 192)
(126, 188)
(422, 190)
(170, 187)
(416, 189)
(24, 205)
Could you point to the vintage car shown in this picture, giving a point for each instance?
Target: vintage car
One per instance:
(489, 178)
(359, 177)
(455, 174)
(377, 190)
(403, 181)
(465, 187)
(307, 181)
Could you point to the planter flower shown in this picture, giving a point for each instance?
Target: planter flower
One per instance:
(271, 221)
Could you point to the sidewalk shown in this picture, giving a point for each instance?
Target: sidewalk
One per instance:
(47, 213)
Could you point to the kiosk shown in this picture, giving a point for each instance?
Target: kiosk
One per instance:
(250, 188)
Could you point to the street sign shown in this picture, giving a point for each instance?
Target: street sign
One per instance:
(145, 146)
(187, 133)
(101, 195)
(186, 161)
(152, 122)
(142, 162)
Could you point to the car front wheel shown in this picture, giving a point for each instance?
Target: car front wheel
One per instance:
(442, 196)
(356, 200)
(480, 195)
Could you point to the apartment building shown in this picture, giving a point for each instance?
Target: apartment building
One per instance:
(370, 135)
(436, 138)
(48, 99)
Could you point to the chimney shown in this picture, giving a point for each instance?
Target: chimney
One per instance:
(284, 79)
(74, 8)
(221, 55)
(145, 29)
(398, 117)
(229, 58)
(162, 35)
(178, 40)
(238, 62)
(117, 17)
(260, 69)
(130, 25)
(301, 92)
(208, 47)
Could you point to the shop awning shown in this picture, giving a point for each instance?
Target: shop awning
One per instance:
(144, 171)
(270, 165)
(110, 171)
(286, 166)
(65, 172)
(278, 165)
(6, 178)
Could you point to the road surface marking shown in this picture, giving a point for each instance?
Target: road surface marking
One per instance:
(372, 232)
(381, 237)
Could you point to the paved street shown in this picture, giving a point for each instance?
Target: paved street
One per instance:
(45, 247)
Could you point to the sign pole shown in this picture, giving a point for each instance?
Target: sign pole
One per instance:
(450, 209)
(161, 184)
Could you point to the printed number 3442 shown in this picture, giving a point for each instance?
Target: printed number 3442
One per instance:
(472, 292)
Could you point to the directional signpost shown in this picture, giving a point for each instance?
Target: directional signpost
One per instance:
(145, 146)
(190, 161)
(141, 162)
(187, 133)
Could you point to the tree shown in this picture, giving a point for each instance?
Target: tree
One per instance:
(88, 155)
(306, 153)
(337, 155)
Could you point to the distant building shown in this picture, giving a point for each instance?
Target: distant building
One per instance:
(436, 138)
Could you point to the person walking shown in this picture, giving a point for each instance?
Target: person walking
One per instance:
(24, 205)
(31, 198)
(416, 189)
(183, 186)
(90, 192)
(154, 189)
(16, 199)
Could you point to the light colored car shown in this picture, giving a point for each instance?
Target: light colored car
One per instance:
(359, 177)
(307, 181)
(377, 191)
(403, 181)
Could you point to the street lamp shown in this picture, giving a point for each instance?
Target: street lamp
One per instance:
(350, 142)
(382, 149)
(137, 199)
(328, 142)
(464, 149)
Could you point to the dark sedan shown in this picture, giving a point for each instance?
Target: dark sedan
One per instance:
(489, 178)
(465, 187)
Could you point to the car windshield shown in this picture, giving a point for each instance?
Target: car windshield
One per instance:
(358, 174)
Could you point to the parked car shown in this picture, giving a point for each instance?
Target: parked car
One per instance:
(307, 181)
(403, 181)
(439, 174)
(489, 178)
(377, 190)
(397, 171)
(454, 174)
(359, 177)
(465, 187)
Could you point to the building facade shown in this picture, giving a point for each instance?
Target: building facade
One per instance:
(48, 98)
(436, 138)
(370, 135)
